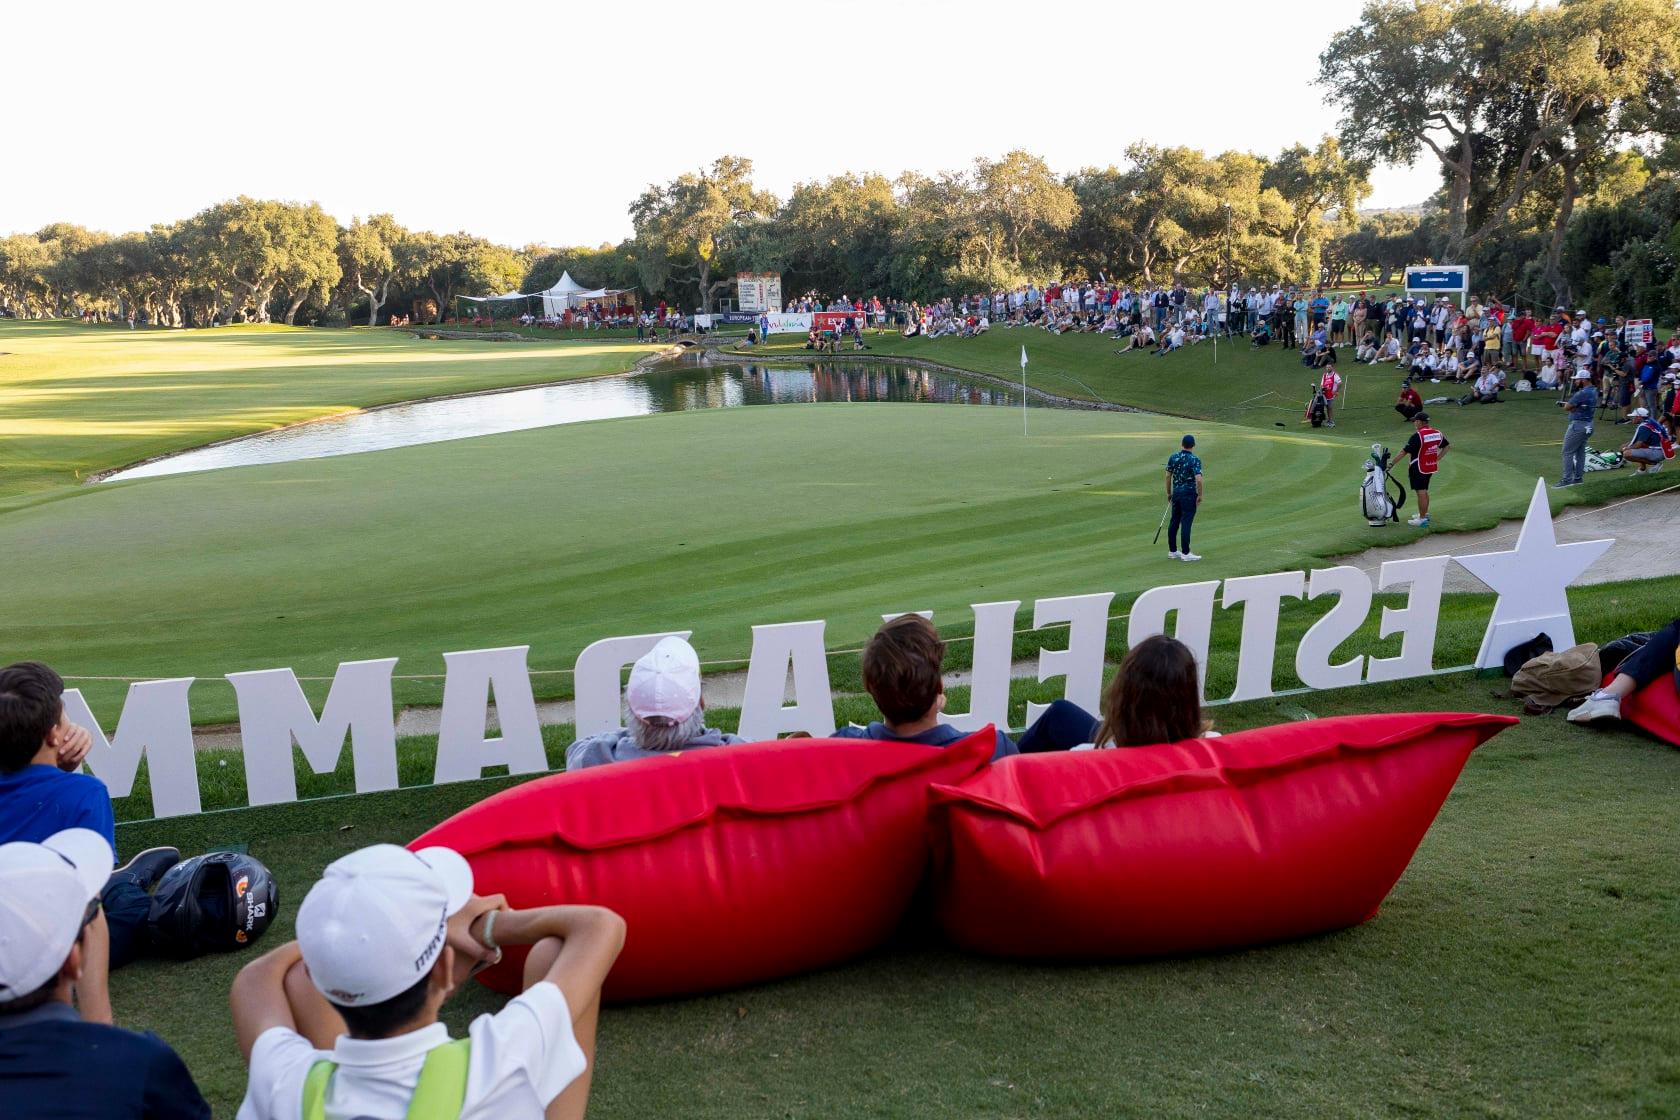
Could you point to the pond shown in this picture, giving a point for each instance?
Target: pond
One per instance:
(675, 386)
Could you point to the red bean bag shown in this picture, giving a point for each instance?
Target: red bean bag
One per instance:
(730, 865)
(1259, 836)
(1656, 708)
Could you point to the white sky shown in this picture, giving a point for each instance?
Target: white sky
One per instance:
(540, 123)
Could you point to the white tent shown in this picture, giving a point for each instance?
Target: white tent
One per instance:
(568, 293)
(496, 299)
(563, 295)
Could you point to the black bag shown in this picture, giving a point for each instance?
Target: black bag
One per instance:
(212, 903)
(1517, 656)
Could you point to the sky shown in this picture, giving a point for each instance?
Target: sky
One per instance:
(539, 123)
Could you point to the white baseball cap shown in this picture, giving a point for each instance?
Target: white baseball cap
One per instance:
(1639, 412)
(375, 923)
(1583, 375)
(665, 682)
(45, 890)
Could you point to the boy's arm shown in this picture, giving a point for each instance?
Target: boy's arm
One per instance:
(589, 937)
(258, 996)
(93, 990)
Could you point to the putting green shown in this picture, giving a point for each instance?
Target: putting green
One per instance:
(706, 520)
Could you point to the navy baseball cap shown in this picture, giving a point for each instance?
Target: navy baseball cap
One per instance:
(1188, 441)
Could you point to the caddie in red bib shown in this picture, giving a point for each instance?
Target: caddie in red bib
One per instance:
(1330, 384)
(1424, 452)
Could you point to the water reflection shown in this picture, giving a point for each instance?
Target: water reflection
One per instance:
(680, 386)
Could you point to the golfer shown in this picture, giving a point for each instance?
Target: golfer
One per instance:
(1580, 406)
(1184, 494)
(1423, 452)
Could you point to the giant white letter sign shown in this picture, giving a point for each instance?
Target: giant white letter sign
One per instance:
(273, 711)
(1192, 606)
(773, 648)
(1416, 620)
(464, 750)
(1263, 596)
(1082, 661)
(597, 682)
(988, 686)
(1312, 657)
(157, 723)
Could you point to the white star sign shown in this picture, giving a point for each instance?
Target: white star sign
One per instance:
(1531, 581)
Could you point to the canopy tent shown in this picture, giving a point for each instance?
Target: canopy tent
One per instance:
(497, 299)
(568, 293)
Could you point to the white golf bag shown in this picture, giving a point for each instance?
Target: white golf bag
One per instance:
(1375, 502)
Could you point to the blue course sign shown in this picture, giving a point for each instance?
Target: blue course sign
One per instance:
(1438, 278)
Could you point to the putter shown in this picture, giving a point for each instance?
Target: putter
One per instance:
(1161, 526)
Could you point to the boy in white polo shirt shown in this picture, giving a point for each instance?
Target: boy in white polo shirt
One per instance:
(343, 1023)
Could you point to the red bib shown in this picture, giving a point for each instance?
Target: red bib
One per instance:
(1429, 450)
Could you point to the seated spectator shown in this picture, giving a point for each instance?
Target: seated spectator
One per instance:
(54, 1062)
(42, 792)
(1367, 351)
(1389, 351)
(903, 672)
(361, 988)
(1261, 335)
(1652, 661)
(667, 712)
(1155, 697)
(1650, 445)
(1172, 340)
(1485, 390)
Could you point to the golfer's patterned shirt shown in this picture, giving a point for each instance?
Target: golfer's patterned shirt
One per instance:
(1184, 467)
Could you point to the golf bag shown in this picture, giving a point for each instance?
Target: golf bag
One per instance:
(1604, 460)
(211, 903)
(1375, 502)
(1316, 408)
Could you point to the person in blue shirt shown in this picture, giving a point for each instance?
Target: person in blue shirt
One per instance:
(904, 673)
(54, 1061)
(1184, 495)
(42, 793)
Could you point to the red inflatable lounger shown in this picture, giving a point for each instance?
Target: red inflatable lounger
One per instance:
(1656, 708)
(1260, 836)
(730, 865)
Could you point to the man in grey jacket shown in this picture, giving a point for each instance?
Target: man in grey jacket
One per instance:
(666, 712)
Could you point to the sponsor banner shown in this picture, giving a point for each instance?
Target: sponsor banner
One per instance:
(1639, 331)
(835, 320)
(789, 322)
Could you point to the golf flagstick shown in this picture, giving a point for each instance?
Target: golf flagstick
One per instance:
(1023, 390)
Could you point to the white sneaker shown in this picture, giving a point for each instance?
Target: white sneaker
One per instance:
(1189, 556)
(1593, 709)
(1174, 555)
(1416, 521)
(1654, 468)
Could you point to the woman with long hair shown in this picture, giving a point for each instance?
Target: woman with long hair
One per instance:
(1155, 697)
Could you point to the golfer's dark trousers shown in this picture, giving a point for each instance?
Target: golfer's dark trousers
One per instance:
(126, 905)
(1653, 659)
(1407, 410)
(1063, 726)
(1183, 513)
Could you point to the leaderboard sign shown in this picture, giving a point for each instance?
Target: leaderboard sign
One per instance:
(758, 291)
(1447, 279)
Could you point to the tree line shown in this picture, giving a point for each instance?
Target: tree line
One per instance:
(1549, 126)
